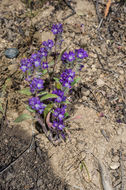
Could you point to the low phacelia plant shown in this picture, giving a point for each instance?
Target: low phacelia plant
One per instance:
(50, 76)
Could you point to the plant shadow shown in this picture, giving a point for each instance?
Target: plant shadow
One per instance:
(32, 169)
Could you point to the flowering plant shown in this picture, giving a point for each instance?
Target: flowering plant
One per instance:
(50, 76)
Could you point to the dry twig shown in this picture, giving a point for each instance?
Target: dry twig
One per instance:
(122, 171)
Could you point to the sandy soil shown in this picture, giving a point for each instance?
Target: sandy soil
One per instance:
(97, 128)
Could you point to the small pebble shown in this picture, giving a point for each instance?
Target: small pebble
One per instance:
(100, 82)
(115, 158)
(11, 53)
(114, 165)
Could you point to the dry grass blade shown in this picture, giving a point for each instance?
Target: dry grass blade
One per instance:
(107, 8)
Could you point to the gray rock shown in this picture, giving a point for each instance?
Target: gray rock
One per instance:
(114, 165)
(11, 53)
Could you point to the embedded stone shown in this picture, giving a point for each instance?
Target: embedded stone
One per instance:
(114, 165)
(11, 53)
(100, 82)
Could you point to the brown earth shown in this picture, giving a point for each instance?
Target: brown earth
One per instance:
(97, 128)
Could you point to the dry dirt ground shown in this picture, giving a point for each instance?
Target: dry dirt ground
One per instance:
(97, 132)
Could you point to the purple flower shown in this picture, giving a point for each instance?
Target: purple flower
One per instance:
(57, 29)
(35, 104)
(37, 62)
(43, 52)
(42, 107)
(48, 44)
(67, 78)
(81, 67)
(61, 97)
(71, 56)
(36, 84)
(25, 64)
(81, 53)
(61, 126)
(34, 56)
(56, 112)
(64, 56)
(59, 113)
(23, 68)
(58, 125)
(45, 65)
(61, 117)
(44, 43)
(55, 124)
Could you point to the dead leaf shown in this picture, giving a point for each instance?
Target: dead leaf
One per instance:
(107, 8)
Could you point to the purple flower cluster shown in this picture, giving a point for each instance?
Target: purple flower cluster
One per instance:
(57, 29)
(36, 84)
(35, 104)
(43, 52)
(67, 77)
(60, 94)
(48, 44)
(59, 114)
(25, 64)
(68, 57)
(71, 56)
(34, 67)
(36, 58)
(81, 53)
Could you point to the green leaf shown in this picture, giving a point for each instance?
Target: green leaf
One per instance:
(44, 71)
(65, 102)
(66, 91)
(42, 93)
(47, 109)
(58, 85)
(30, 109)
(76, 80)
(47, 96)
(56, 79)
(81, 167)
(25, 91)
(51, 63)
(22, 117)
(59, 57)
(66, 114)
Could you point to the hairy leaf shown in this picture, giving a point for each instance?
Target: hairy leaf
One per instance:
(22, 117)
(42, 93)
(47, 96)
(44, 71)
(59, 57)
(25, 91)
(56, 79)
(66, 114)
(47, 109)
(30, 109)
(76, 80)
(51, 63)
(58, 85)
(65, 102)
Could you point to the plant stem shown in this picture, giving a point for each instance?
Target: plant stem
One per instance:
(54, 56)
